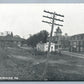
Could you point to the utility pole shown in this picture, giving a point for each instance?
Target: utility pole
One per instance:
(52, 27)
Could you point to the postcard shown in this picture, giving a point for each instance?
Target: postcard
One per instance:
(41, 42)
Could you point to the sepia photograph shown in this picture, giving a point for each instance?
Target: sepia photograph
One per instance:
(42, 42)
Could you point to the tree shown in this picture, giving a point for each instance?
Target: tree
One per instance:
(24, 41)
(36, 38)
(11, 34)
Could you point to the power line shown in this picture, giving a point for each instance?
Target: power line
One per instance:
(52, 27)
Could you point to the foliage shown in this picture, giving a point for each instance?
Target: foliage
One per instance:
(36, 38)
(23, 42)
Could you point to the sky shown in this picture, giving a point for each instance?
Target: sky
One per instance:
(26, 19)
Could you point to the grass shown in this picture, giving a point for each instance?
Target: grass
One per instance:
(3, 54)
(64, 72)
(60, 67)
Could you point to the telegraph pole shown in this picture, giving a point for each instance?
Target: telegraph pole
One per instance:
(52, 27)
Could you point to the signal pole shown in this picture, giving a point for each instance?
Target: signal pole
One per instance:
(52, 27)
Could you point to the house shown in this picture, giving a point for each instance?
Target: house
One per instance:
(44, 47)
(77, 43)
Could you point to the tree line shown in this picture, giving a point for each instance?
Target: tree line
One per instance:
(36, 38)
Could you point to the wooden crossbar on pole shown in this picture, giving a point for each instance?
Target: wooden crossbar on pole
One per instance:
(55, 13)
(51, 23)
(52, 18)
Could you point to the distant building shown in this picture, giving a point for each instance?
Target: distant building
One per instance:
(58, 42)
(61, 41)
(44, 47)
(5, 33)
(77, 43)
